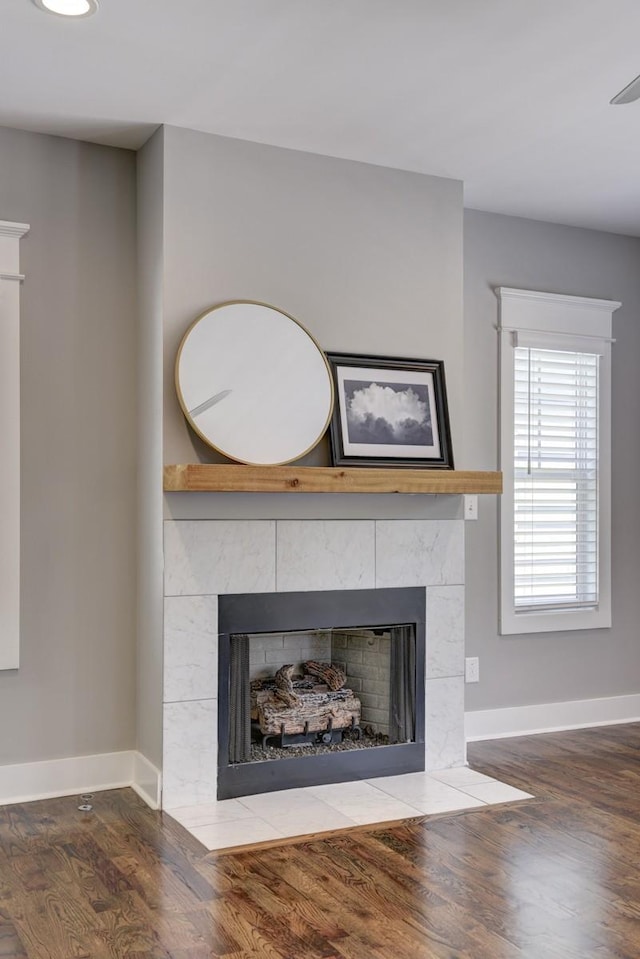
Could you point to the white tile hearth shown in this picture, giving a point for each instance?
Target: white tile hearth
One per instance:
(428, 795)
(325, 554)
(286, 801)
(244, 832)
(461, 776)
(495, 792)
(206, 814)
(359, 790)
(364, 802)
(381, 809)
(318, 817)
(318, 809)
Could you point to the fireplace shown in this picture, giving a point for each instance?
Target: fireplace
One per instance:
(210, 563)
(277, 652)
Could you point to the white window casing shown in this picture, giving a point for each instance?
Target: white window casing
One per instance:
(555, 455)
(10, 280)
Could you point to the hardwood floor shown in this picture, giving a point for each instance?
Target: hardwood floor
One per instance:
(556, 877)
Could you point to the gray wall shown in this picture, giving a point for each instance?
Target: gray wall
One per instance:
(150, 224)
(369, 259)
(74, 691)
(551, 667)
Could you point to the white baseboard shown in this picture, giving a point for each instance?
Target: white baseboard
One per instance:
(146, 780)
(550, 717)
(25, 782)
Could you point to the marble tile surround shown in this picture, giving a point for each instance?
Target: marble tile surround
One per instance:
(208, 558)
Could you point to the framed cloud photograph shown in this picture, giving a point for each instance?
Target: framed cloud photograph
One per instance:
(389, 412)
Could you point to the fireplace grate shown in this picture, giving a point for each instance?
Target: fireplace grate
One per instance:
(319, 737)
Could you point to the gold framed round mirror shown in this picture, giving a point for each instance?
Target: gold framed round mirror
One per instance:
(254, 384)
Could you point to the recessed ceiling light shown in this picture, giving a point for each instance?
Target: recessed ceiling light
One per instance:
(68, 8)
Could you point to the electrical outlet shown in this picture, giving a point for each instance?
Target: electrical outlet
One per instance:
(470, 506)
(472, 669)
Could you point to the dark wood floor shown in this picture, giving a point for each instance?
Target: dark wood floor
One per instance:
(556, 877)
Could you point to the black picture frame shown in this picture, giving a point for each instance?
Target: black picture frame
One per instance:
(389, 411)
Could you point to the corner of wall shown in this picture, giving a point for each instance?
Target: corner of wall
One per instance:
(150, 173)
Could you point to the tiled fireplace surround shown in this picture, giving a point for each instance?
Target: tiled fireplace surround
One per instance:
(208, 558)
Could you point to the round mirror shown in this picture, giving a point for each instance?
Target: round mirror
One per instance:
(254, 384)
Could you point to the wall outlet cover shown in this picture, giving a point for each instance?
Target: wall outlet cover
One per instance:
(472, 669)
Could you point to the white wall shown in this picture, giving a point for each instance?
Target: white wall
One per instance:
(552, 667)
(74, 691)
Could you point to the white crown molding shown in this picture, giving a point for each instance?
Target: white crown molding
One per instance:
(550, 717)
(25, 782)
(16, 230)
(578, 302)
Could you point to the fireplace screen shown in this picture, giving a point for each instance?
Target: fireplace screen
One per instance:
(346, 702)
(299, 693)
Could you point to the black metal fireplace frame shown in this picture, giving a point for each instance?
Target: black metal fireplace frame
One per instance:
(281, 612)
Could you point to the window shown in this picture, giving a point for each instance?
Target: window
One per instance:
(555, 456)
(555, 479)
(10, 278)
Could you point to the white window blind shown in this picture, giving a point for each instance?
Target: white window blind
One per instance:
(555, 456)
(556, 446)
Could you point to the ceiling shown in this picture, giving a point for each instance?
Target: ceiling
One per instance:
(510, 96)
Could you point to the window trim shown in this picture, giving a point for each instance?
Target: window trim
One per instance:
(557, 321)
(10, 280)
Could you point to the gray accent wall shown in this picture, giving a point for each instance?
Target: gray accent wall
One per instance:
(74, 692)
(367, 258)
(551, 667)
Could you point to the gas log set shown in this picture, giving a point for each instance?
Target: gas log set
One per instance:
(315, 707)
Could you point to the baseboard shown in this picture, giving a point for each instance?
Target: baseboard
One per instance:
(26, 782)
(550, 717)
(146, 780)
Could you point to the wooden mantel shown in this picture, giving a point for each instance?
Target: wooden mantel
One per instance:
(207, 477)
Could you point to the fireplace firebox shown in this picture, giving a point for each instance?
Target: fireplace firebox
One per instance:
(319, 687)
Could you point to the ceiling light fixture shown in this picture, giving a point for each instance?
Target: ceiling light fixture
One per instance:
(68, 8)
(630, 93)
